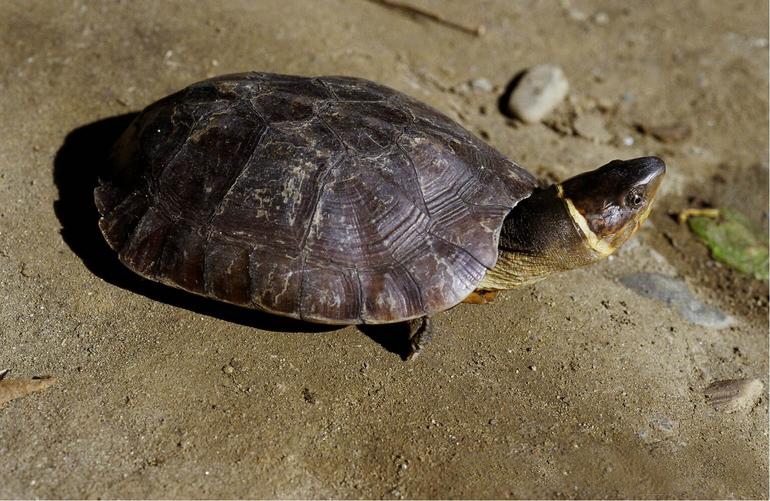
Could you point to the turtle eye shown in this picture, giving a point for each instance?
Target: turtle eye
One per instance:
(635, 199)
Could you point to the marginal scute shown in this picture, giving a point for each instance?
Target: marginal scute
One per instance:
(391, 295)
(226, 271)
(145, 243)
(331, 199)
(276, 280)
(120, 217)
(182, 258)
(330, 292)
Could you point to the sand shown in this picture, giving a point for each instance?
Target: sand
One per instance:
(576, 387)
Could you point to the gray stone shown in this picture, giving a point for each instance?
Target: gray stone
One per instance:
(677, 295)
(734, 395)
(538, 92)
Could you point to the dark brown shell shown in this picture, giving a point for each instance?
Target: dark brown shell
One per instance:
(331, 199)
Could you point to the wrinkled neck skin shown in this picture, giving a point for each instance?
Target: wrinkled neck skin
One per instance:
(542, 235)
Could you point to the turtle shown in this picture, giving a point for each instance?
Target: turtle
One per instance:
(337, 200)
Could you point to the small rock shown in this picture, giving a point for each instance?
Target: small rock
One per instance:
(228, 369)
(601, 18)
(540, 90)
(308, 396)
(734, 395)
(577, 15)
(628, 141)
(677, 295)
(481, 85)
(591, 126)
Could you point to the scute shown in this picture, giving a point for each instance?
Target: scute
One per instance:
(330, 199)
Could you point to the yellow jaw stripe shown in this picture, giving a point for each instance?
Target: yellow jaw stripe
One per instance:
(598, 245)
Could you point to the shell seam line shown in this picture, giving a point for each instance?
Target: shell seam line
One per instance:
(360, 294)
(416, 286)
(416, 175)
(330, 129)
(303, 242)
(156, 186)
(131, 236)
(213, 214)
(235, 180)
(321, 183)
(357, 225)
(333, 95)
(301, 286)
(430, 232)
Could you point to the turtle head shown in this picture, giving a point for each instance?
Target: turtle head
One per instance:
(610, 203)
(575, 223)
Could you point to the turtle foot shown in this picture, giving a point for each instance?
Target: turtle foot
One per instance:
(420, 333)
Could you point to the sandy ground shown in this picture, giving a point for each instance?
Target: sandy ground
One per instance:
(574, 387)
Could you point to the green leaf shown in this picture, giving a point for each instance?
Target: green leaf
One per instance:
(734, 240)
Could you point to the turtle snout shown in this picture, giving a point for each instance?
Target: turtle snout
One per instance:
(646, 170)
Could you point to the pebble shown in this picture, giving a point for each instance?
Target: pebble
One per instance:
(601, 18)
(540, 90)
(676, 295)
(481, 85)
(577, 15)
(734, 395)
(591, 126)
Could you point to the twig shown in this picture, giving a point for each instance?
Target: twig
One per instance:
(411, 9)
(688, 213)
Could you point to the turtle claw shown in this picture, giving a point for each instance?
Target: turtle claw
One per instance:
(420, 333)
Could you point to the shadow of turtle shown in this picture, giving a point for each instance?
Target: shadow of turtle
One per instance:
(393, 337)
(76, 170)
(505, 96)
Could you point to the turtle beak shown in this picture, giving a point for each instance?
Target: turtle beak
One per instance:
(647, 171)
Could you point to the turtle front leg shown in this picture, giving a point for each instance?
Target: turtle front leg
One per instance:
(480, 296)
(420, 333)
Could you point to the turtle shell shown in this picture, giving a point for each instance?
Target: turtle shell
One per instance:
(329, 199)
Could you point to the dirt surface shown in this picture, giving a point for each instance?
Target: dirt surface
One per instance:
(574, 387)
